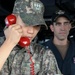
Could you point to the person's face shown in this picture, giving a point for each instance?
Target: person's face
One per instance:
(61, 28)
(28, 31)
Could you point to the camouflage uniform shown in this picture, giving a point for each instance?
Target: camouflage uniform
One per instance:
(18, 63)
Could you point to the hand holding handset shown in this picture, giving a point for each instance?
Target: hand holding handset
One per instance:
(24, 41)
(11, 19)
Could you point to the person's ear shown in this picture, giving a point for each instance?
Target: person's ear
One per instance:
(52, 28)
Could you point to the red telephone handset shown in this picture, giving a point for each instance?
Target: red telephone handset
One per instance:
(11, 19)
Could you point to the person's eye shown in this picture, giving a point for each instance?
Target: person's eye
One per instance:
(58, 24)
(66, 23)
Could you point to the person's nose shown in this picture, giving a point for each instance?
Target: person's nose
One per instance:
(31, 29)
(62, 27)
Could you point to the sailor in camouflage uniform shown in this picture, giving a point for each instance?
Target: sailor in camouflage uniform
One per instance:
(33, 59)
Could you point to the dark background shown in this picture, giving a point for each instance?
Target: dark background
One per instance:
(6, 7)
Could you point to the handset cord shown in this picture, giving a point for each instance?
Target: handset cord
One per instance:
(32, 72)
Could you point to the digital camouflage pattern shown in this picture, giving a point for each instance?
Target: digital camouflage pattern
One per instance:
(18, 63)
(31, 12)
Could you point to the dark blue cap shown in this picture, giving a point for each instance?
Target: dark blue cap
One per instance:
(61, 13)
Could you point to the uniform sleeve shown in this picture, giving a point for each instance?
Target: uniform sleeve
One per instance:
(5, 69)
(50, 66)
(1, 40)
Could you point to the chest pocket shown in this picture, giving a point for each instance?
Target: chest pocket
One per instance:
(25, 68)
